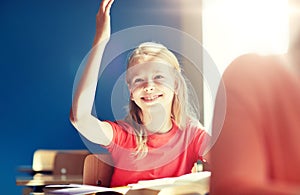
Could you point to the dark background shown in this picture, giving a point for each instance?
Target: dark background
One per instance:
(42, 43)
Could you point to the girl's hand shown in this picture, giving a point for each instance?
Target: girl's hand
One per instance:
(103, 21)
(198, 167)
(194, 169)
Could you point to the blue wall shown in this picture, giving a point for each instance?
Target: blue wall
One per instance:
(42, 43)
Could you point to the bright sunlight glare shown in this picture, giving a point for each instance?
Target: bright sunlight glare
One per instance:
(235, 27)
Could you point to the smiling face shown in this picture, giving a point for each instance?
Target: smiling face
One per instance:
(156, 85)
(151, 84)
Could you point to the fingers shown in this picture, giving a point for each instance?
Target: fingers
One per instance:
(105, 6)
(109, 5)
(194, 169)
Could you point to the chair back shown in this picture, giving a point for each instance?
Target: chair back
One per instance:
(59, 162)
(98, 170)
(43, 160)
(69, 162)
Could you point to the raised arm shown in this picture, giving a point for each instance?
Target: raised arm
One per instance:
(81, 117)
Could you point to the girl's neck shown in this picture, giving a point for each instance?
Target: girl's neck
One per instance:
(157, 121)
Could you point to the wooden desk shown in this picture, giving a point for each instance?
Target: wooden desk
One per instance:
(27, 169)
(42, 180)
(182, 185)
(39, 181)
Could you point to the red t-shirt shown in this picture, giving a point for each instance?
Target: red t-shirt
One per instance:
(170, 154)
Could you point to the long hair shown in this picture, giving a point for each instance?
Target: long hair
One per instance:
(180, 111)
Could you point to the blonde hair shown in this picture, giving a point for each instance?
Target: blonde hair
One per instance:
(180, 112)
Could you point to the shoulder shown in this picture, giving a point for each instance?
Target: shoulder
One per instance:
(252, 60)
(121, 127)
(123, 135)
(198, 135)
(248, 65)
(195, 128)
(254, 73)
(193, 123)
(119, 124)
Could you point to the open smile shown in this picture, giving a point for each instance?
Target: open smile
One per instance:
(151, 98)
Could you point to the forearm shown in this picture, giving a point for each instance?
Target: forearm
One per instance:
(81, 112)
(85, 93)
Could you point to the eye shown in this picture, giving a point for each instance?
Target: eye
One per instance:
(137, 80)
(159, 77)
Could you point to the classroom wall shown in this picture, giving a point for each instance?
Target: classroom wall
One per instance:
(42, 43)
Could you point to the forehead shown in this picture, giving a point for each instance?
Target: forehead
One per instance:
(145, 67)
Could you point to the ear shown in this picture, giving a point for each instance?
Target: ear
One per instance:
(130, 91)
(131, 96)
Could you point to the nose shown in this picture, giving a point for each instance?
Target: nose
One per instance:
(149, 87)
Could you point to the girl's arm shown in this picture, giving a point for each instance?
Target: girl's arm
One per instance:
(81, 117)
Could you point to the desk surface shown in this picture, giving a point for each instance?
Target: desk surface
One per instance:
(42, 180)
(184, 189)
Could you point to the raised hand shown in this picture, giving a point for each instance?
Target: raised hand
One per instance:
(81, 113)
(103, 28)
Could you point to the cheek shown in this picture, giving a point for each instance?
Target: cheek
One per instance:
(134, 87)
(134, 93)
(168, 84)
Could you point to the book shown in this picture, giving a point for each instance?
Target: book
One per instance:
(193, 183)
(79, 189)
(189, 183)
(198, 177)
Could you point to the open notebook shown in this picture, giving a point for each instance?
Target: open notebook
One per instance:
(197, 182)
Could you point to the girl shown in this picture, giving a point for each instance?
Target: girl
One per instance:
(159, 137)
